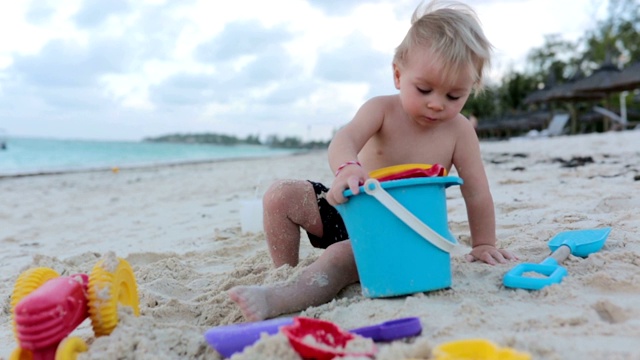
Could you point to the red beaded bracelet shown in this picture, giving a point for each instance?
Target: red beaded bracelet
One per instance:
(351, 162)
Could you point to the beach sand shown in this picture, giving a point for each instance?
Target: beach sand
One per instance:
(179, 228)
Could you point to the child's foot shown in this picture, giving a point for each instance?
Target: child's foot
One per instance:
(252, 301)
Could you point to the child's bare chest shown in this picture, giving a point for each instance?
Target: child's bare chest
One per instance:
(407, 144)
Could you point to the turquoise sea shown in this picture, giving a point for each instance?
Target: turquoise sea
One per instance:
(26, 156)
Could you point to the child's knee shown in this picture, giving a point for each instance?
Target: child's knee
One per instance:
(282, 193)
(275, 194)
(341, 252)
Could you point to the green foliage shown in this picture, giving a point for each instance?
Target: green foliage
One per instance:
(552, 62)
(515, 87)
(508, 97)
(295, 143)
(482, 105)
(206, 138)
(230, 140)
(615, 39)
(252, 139)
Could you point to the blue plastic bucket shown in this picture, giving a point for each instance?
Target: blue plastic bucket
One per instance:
(392, 257)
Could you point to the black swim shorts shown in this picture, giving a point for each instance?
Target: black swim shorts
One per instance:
(333, 228)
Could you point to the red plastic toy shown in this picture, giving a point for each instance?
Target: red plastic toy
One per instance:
(407, 171)
(46, 308)
(322, 340)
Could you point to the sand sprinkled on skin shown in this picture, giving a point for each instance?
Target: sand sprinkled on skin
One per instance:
(320, 279)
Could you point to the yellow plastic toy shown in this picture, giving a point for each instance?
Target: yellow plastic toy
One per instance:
(476, 349)
(46, 307)
(107, 288)
(26, 283)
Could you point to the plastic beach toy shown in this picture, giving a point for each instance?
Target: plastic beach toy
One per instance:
(575, 242)
(476, 349)
(391, 330)
(400, 235)
(406, 171)
(47, 307)
(323, 340)
(230, 339)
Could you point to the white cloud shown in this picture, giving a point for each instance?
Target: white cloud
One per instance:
(129, 69)
(515, 27)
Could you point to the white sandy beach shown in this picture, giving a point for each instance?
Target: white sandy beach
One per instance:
(179, 228)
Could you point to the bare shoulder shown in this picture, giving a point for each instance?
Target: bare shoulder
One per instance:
(375, 110)
(466, 156)
(463, 122)
(382, 103)
(463, 128)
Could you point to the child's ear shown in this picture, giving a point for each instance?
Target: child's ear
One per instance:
(396, 76)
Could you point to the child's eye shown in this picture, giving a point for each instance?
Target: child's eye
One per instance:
(454, 98)
(422, 91)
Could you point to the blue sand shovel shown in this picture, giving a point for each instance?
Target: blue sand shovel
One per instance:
(575, 242)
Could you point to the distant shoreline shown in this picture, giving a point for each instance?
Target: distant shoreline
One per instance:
(152, 165)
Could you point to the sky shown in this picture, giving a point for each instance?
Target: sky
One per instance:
(125, 70)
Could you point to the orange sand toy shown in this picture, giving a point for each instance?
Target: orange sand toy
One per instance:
(46, 307)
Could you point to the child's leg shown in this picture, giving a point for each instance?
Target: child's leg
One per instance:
(316, 285)
(289, 205)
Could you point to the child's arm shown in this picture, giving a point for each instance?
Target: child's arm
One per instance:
(345, 146)
(477, 197)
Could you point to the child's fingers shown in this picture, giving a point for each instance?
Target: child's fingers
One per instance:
(497, 256)
(354, 184)
(490, 257)
(335, 197)
(508, 255)
(336, 193)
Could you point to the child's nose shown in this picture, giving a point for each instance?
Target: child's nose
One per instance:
(435, 105)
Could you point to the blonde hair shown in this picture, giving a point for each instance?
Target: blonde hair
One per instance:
(451, 31)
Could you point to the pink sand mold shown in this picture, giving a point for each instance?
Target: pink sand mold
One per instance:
(50, 313)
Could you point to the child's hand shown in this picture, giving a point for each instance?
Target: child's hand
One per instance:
(490, 255)
(349, 178)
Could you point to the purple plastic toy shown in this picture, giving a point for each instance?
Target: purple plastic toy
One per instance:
(230, 339)
(391, 330)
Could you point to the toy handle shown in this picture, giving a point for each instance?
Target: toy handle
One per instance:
(230, 339)
(373, 188)
(553, 274)
(391, 330)
(550, 269)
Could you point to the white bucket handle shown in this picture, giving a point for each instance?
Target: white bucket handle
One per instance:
(373, 188)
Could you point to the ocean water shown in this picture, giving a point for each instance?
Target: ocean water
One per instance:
(34, 156)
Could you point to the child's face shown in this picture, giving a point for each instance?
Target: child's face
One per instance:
(426, 97)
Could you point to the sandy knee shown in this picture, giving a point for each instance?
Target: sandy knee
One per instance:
(280, 193)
